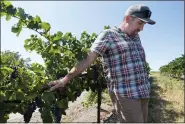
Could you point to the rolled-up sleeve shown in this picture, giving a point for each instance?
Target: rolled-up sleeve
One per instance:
(101, 44)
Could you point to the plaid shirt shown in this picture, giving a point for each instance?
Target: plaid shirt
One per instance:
(123, 61)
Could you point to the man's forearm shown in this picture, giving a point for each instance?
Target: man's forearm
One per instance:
(76, 70)
(80, 67)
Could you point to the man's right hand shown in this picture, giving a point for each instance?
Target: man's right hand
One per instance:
(56, 84)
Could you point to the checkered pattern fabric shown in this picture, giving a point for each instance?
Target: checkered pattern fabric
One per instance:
(124, 63)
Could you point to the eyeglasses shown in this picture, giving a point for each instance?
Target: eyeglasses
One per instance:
(142, 14)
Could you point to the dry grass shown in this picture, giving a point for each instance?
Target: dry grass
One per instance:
(167, 102)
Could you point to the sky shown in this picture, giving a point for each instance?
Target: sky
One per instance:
(163, 42)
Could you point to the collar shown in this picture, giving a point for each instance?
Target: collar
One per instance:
(125, 35)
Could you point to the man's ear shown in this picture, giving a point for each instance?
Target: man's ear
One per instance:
(127, 18)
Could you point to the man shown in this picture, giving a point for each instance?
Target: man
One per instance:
(123, 64)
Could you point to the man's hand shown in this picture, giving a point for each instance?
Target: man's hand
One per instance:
(56, 84)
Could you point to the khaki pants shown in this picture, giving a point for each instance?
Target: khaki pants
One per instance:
(130, 110)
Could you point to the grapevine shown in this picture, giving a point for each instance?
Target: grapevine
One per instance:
(174, 68)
